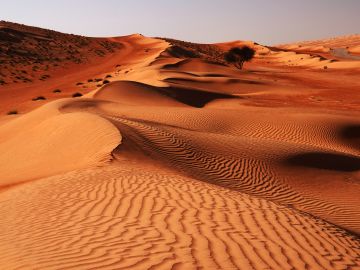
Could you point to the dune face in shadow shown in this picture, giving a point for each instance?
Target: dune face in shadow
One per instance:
(352, 135)
(352, 132)
(326, 161)
(193, 97)
(177, 51)
(140, 93)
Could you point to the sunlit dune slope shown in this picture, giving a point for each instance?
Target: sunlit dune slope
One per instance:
(138, 217)
(58, 143)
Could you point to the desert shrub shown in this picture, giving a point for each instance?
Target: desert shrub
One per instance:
(90, 80)
(44, 77)
(108, 76)
(106, 81)
(79, 83)
(39, 98)
(57, 91)
(77, 94)
(231, 58)
(100, 53)
(98, 80)
(238, 56)
(12, 112)
(325, 67)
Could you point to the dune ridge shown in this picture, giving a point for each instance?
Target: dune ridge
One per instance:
(59, 143)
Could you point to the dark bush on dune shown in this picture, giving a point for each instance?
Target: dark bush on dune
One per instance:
(106, 81)
(39, 98)
(57, 91)
(12, 112)
(238, 56)
(77, 94)
(230, 58)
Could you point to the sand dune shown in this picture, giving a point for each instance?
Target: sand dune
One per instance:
(342, 41)
(130, 216)
(59, 143)
(181, 161)
(254, 151)
(338, 52)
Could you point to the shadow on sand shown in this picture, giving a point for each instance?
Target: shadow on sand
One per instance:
(326, 161)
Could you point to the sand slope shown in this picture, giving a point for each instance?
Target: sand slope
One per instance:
(337, 52)
(131, 217)
(183, 162)
(59, 143)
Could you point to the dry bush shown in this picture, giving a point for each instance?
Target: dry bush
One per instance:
(12, 112)
(39, 98)
(77, 94)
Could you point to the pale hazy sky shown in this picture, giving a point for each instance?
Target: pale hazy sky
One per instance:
(264, 21)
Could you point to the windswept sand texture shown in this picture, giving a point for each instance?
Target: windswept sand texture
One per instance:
(338, 52)
(181, 161)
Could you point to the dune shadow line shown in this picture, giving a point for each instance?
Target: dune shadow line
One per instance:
(325, 161)
(192, 97)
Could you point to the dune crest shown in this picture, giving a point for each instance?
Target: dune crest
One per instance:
(59, 143)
